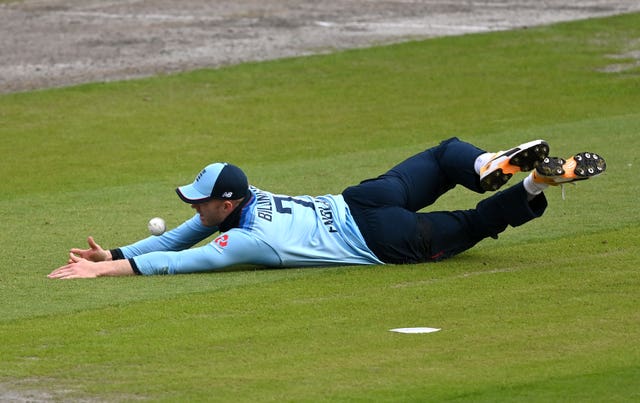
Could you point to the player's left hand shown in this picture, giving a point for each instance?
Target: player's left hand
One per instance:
(77, 268)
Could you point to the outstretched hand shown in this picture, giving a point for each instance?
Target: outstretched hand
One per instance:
(76, 268)
(95, 253)
(79, 267)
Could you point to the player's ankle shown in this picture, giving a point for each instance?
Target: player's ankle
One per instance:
(481, 161)
(532, 187)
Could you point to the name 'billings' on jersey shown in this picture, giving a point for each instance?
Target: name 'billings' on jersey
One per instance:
(305, 230)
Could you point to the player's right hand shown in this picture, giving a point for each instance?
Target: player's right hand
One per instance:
(77, 268)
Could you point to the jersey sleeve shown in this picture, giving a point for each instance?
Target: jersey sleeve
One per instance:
(182, 237)
(231, 248)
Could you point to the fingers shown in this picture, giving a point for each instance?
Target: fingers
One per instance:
(65, 272)
(73, 258)
(75, 269)
(64, 275)
(68, 271)
(75, 252)
(77, 263)
(94, 253)
(92, 243)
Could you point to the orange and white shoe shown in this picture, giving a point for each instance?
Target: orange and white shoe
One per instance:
(504, 164)
(557, 171)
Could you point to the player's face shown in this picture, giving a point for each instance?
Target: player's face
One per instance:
(213, 212)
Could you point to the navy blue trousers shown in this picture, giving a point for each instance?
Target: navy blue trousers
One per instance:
(386, 208)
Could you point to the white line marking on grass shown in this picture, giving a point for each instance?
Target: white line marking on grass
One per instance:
(415, 330)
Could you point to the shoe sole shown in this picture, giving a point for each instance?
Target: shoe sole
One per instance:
(523, 158)
(579, 167)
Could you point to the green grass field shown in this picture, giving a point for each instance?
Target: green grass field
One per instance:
(550, 312)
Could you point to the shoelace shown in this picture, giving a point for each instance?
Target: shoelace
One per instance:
(562, 188)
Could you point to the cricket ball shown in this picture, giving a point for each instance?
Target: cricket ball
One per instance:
(157, 226)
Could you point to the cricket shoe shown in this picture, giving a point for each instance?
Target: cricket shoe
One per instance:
(557, 171)
(504, 164)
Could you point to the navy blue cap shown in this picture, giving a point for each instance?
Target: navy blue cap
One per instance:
(221, 181)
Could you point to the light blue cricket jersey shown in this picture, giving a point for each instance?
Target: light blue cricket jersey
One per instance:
(273, 230)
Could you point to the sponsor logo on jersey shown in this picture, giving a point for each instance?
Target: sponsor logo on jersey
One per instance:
(222, 241)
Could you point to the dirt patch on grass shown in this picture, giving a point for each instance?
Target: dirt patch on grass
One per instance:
(23, 391)
(624, 62)
(50, 43)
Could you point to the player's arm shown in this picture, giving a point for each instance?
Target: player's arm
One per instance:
(182, 237)
(231, 248)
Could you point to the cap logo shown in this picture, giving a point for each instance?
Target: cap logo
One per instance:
(227, 195)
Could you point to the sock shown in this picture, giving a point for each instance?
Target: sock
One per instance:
(482, 161)
(532, 187)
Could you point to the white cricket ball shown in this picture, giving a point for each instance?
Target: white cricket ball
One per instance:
(157, 226)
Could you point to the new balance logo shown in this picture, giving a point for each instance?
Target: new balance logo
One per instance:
(227, 195)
